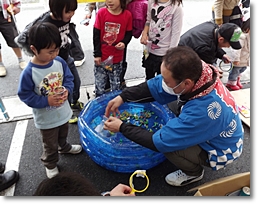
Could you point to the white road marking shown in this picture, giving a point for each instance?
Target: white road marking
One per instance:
(14, 155)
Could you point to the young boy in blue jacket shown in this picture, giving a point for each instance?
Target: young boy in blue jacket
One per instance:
(51, 112)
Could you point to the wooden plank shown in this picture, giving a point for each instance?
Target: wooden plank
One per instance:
(242, 98)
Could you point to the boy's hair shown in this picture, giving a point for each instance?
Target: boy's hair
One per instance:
(43, 35)
(66, 184)
(57, 6)
(184, 63)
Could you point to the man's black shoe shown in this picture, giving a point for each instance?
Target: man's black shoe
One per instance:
(8, 179)
(2, 168)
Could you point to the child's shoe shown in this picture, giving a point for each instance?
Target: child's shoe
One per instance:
(239, 83)
(232, 87)
(78, 105)
(2, 71)
(73, 119)
(76, 149)
(52, 172)
(22, 64)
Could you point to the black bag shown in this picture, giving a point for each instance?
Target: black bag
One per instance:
(22, 39)
(236, 17)
(76, 50)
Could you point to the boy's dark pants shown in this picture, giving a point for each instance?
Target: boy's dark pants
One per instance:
(54, 140)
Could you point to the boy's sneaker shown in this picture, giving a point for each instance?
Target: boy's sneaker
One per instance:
(2, 71)
(179, 178)
(78, 105)
(52, 172)
(73, 119)
(76, 149)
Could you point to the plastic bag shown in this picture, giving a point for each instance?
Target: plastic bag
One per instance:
(145, 51)
(108, 63)
(99, 129)
(85, 22)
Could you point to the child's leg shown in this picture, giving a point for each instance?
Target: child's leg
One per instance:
(232, 79)
(242, 69)
(50, 147)
(115, 76)
(64, 146)
(62, 137)
(101, 77)
(9, 32)
(157, 66)
(152, 65)
(149, 72)
(124, 65)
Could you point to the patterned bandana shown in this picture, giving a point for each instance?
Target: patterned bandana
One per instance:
(205, 78)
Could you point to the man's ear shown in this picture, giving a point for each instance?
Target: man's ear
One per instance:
(33, 49)
(220, 39)
(189, 83)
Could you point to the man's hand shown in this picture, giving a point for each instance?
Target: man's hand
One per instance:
(112, 124)
(113, 106)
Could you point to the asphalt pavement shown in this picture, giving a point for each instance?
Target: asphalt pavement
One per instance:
(21, 145)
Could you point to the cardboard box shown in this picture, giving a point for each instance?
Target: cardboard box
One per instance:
(223, 186)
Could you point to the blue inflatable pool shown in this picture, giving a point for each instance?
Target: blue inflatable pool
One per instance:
(113, 151)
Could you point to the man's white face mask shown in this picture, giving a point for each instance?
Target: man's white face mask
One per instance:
(171, 90)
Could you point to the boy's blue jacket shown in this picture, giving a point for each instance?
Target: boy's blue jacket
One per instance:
(211, 121)
(37, 82)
